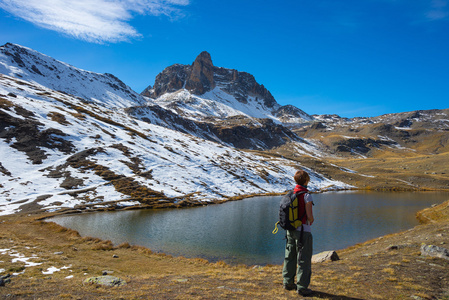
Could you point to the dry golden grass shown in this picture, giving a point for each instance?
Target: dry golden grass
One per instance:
(387, 169)
(79, 116)
(58, 117)
(390, 172)
(5, 104)
(434, 214)
(383, 274)
(389, 271)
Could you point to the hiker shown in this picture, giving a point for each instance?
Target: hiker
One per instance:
(298, 249)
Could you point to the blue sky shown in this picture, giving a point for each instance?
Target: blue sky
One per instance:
(352, 58)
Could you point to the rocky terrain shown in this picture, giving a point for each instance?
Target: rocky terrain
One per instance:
(423, 132)
(29, 65)
(74, 139)
(71, 151)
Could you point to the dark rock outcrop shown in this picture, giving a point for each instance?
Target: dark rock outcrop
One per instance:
(169, 80)
(265, 136)
(201, 78)
(361, 145)
(238, 131)
(241, 85)
(25, 135)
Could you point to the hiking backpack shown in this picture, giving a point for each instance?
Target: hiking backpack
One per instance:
(289, 212)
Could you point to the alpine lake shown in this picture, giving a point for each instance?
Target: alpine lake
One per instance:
(240, 232)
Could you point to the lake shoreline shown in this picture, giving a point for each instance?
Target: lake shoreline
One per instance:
(225, 240)
(114, 205)
(370, 270)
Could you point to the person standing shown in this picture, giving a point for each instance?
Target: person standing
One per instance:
(299, 246)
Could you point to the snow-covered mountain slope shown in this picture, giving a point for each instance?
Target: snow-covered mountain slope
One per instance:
(58, 151)
(219, 104)
(236, 131)
(202, 90)
(27, 64)
(234, 94)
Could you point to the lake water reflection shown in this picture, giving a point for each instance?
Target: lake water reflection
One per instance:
(240, 231)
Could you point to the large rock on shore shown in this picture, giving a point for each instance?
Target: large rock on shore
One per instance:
(106, 280)
(325, 256)
(434, 251)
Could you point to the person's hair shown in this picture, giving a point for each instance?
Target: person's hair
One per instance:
(301, 177)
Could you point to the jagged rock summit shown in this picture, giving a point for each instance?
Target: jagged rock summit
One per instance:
(203, 90)
(201, 78)
(197, 78)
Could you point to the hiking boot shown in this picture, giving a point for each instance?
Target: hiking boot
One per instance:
(290, 286)
(305, 292)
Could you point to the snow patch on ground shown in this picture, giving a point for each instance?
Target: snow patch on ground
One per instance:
(52, 270)
(19, 257)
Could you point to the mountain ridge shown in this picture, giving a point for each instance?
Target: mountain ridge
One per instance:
(179, 84)
(61, 151)
(25, 63)
(68, 149)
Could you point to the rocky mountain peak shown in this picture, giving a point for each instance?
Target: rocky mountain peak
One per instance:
(202, 90)
(201, 77)
(203, 59)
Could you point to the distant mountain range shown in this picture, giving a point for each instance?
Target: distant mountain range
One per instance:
(424, 132)
(75, 139)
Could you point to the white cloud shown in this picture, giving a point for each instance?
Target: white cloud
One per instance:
(91, 20)
(439, 10)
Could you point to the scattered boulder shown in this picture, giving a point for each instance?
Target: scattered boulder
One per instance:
(318, 125)
(398, 247)
(5, 279)
(106, 280)
(434, 251)
(325, 256)
(258, 268)
(392, 247)
(107, 272)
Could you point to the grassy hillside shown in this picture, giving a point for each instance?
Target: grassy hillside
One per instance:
(383, 170)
